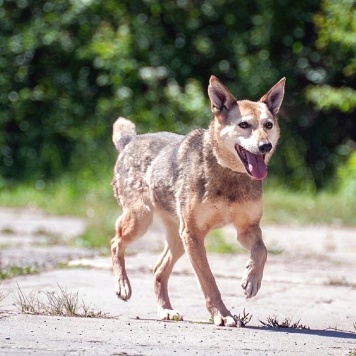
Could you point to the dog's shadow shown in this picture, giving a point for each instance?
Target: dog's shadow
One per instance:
(336, 333)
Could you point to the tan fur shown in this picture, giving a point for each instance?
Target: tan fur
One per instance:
(197, 183)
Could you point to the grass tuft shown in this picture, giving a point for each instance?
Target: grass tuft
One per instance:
(4, 294)
(7, 231)
(272, 322)
(339, 282)
(244, 318)
(63, 303)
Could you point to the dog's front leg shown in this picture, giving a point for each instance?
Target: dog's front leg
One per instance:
(195, 249)
(251, 238)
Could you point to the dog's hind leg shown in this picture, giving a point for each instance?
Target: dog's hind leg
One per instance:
(173, 250)
(129, 226)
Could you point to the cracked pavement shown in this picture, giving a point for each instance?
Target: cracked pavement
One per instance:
(309, 277)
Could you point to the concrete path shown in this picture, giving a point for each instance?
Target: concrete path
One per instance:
(310, 277)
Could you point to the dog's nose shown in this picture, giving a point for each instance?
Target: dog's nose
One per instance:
(265, 147)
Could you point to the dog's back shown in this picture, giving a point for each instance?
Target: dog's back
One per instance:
(136, 155)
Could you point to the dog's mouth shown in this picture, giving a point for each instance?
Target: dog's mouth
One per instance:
(254, 164)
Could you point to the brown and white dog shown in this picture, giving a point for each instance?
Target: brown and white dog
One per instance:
(196, 183)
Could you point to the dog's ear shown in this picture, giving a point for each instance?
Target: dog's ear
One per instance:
(220, 98)
(274, 97)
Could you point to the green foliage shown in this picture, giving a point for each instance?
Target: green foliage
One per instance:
(328, 97)
(347, 176)
(217, 243)
(336, 27)
(69, 68)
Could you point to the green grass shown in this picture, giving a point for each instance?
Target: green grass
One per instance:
(216, 242)
(90, 196)
(14, 271)
(299, 208)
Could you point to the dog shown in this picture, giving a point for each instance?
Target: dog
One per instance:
(196, 183)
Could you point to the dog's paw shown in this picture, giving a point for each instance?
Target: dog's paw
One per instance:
(122, 288)
(251, 281)
(169, 314)
(227, 321)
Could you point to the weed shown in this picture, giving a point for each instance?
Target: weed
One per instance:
(286, 323)
(7, 231)
(244, 319)
(28, 304)
(63, 303)
(4, 294)
(339, 282)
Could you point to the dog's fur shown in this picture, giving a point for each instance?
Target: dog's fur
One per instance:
(196, 183)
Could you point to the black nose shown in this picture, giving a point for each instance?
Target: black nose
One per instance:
(265, 147)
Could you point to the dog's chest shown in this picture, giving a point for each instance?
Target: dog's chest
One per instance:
(214, 215)
(211, 215)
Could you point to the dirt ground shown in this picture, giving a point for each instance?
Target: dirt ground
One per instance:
(309, 279)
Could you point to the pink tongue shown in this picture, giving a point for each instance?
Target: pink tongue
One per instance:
(256, 165)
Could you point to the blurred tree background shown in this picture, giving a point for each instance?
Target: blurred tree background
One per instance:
(68, 69)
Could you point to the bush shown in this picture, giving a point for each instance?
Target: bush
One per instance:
(69, 68)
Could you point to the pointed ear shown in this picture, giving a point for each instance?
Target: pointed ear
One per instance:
(273, 99)
(220, 98)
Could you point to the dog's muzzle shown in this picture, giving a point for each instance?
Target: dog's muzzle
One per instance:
(254, 163)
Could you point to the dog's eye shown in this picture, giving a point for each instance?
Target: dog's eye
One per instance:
(244, 125)
(268, 125)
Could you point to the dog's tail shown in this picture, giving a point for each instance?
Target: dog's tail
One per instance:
(123, 132)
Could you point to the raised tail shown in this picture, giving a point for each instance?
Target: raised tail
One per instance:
(123, 132)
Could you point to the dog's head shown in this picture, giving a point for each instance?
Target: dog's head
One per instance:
(245, 133)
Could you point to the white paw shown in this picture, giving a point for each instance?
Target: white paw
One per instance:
(169, 314)
(251, 281)
(122, 288)
(226, 321)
